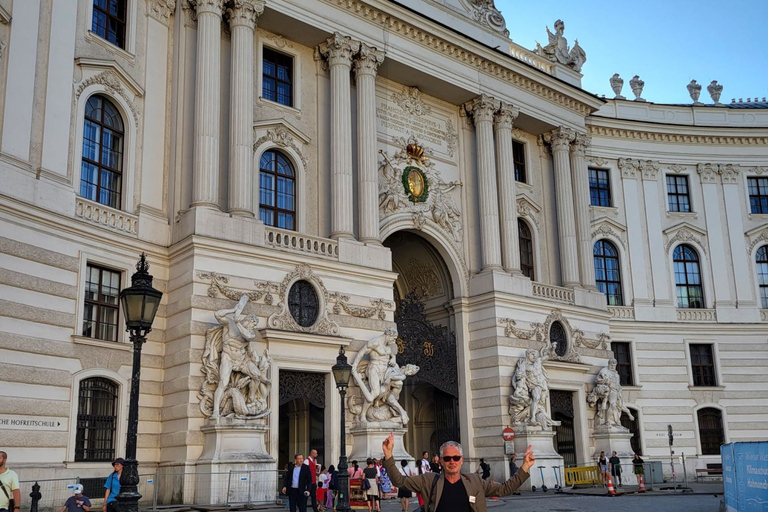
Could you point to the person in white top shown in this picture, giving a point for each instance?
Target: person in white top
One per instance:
(424, 468)
(403, 493)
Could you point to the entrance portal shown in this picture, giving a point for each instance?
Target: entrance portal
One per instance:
(565, 438)
(302, 415)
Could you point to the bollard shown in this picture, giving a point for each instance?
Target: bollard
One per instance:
(35, 495)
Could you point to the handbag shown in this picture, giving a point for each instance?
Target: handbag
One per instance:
(366, 484)
(11, 502)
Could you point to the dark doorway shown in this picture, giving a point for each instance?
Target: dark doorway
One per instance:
(561, 403)
(301, 423)
(631, 425)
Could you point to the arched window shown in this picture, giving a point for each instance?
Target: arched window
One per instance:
(277, 191)
(762, 274)
(607, 272)
(711, 432)
(109, 17)
(690, 293)
(558, 336)
(526, 248)
(96, 420)
(101, 172)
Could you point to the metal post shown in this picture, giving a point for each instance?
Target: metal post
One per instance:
(128, 498)
(229, 486)
(35, 495)
(343, 503)
(685, 472)
(154, 493)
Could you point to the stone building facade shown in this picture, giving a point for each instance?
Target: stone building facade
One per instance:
(388, 154)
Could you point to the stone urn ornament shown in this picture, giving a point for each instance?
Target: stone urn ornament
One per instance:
(715, 90)
(617, 83)
(637, 87)
(694, 89)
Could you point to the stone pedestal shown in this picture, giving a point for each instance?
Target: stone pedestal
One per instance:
(366, 442)
(543, 447)
(235, 466)
(615, 439)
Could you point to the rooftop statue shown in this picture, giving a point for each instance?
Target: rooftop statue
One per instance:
(486, 13)
(236, 381)
(558, 50)
(607, 392)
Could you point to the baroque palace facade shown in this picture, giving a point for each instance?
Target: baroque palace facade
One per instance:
(352, 166)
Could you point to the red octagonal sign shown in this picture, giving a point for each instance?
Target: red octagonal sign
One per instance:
(508, 434)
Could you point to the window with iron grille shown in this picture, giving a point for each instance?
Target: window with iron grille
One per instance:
(690, 293)
(109, 17)
(558, 336)
(607, 272)
(711, 432)
(526, 248)
(678, 195)
(518, 155)
(96, 420)
(762, 274)
(758, 194)
(102, 293)
(599, 187)
(277, 191)
(703, 364)
(622, 353)
(303, 303)
(101, 169)
(277, 77)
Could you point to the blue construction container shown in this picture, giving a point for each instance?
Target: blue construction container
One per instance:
(745, 476)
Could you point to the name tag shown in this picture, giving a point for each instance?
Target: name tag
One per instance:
(472, 499)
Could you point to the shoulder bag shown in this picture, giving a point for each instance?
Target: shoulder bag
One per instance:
(11, 502)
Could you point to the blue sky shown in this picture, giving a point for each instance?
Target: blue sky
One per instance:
(667, 42)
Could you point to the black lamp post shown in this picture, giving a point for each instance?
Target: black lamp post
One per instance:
(140, 303)
(342, 371)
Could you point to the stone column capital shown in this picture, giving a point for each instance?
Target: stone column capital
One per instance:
(368, 60)
(339, 49)
(482, 108)
(506, 115)
(207, 6)
(707, 172)
(245, 13)
(580, 144)
(729, 173)
(650, 170)
(560, 138)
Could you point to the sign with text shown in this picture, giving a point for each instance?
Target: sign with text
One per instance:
(23, 422)
(745, 476)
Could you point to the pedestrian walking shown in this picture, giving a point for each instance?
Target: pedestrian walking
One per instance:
(333, 484)
(371, 475)
(297, 483)
(322, 487)
(452, 491)
(615, 462)
(77, 502)
(10, 497)
(638, 465)
(602, 465)
(112, 486)
(484, 470)
(434, 465)
(513, 469)
(403, 493)
(311, 462)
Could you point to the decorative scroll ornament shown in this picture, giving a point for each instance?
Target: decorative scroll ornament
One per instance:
(410, 100)
(528, 210)
(283, 138)
(423, 278)
(236, 382)
(341, 303)
(602, 341)
(486, 13)
(283, 319)
(161, 8)
(399, 179)
(759, 239)
(541, 333)
(558, 50)
(685, 235)
(111, 81)
(264, 289)
(606, 229)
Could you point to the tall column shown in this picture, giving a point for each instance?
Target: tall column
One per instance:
(339, 51)
(482, 109)
(581, 201)
(505, 170)
(205, 185)
(560, 141)
(242, 20)
(366, 64)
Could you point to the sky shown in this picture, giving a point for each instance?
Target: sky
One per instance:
(667, 42)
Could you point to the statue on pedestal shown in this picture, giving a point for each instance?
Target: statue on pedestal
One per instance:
(529, 401)
(607, 392)
(379, 381)
(236, 381)
(558, 51)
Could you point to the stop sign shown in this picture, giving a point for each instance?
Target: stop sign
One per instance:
(508, 434)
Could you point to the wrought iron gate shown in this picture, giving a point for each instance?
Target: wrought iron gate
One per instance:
(432, 348)
(565, 437)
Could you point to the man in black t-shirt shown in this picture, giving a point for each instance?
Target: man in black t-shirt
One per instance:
(615, 463)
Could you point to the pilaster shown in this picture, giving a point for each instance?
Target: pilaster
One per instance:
(205, 186)
(708, 174)
(482, 110)
(505, 172)
(741, 260)
(581, 202)
(339, 49)
(650, 173)
(637, 261)
(560, 141)
(243, 16)
(366, 64)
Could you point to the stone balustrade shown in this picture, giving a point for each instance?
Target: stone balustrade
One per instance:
(317, 246)
(622, 312)
(696, 315)
(558, 293)
(532, 59)
(104, 215)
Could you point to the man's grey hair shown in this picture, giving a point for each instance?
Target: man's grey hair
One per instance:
(451, 443)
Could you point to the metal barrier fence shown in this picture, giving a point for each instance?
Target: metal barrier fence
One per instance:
(590, 475)
(167, 489)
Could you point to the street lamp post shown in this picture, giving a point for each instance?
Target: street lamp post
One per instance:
(140, 303)
(342, 371)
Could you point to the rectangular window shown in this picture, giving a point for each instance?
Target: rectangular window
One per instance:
(109, 20)
(102, 291)
(277, 77)
(518, 155)
(703, 365)
(599, 187)
(758, 194)
(623, 355)
(677, 194)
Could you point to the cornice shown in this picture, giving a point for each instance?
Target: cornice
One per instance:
(420, 35)
(662, 135)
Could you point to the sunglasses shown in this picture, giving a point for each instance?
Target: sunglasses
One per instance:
(454, 458)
